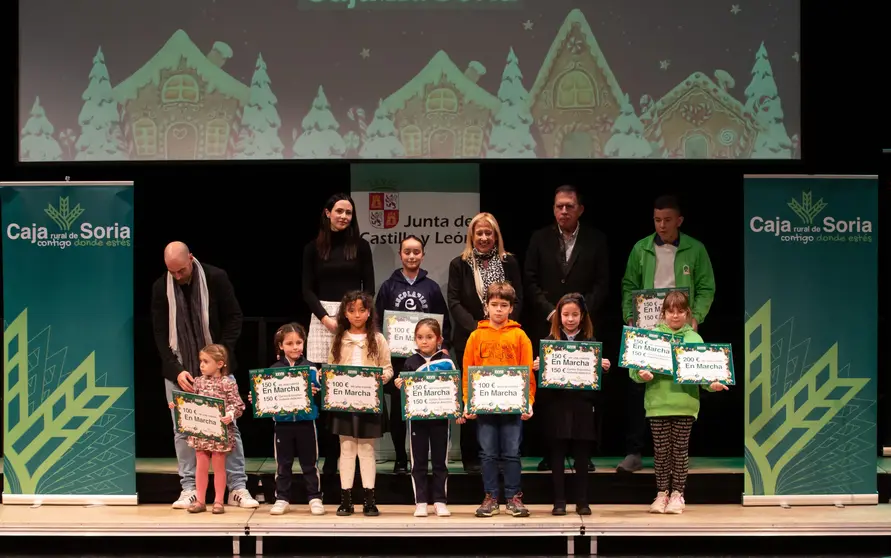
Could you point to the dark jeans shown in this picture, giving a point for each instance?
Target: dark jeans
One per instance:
(635, 420)
(432, 435)
(296, 439)
(500, 437)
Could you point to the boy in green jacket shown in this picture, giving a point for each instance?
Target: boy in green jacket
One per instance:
(666, 259)
(671, 409)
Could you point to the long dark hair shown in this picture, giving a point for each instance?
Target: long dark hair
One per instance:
(343, 324)
(586, 328)
(323, 240)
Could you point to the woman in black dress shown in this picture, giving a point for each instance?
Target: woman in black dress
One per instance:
(336, 262)
(483, 262)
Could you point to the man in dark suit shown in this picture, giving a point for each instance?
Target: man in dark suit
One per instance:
(562, 258)
(182, 328)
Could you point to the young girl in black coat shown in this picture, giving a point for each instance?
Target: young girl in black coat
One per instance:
(569, 414)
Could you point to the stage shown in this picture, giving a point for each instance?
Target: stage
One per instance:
(398, 521)
(620, 504)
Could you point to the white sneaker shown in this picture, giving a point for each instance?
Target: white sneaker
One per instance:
(420, 510)
(676, 503)
(441, 509)
(659, 503)
(316, 507)
(280, 507)
(242, 498)
(186, 497)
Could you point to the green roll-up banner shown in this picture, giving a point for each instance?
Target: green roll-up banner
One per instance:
(68, 399)
(811, 264)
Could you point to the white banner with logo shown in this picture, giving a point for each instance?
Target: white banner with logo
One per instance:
(433, 201)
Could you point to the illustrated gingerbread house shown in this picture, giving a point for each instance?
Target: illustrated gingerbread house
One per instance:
(181, 104)
(699, 119)
(442, 113)
(575, 98)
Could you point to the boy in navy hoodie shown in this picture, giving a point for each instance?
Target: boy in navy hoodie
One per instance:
(296, 436)
(408, 289)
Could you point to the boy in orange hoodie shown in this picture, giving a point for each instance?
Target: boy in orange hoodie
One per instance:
(499, 341)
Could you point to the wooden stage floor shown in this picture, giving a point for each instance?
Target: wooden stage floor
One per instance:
(398, 521)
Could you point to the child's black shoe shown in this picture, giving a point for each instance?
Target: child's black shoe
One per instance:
(583, 509)
(370, 508)
(346, 502)
(559, 509)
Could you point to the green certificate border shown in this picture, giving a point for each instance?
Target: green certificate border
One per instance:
(260, 374)
(703, 347)
(477, 371)
(651, 293)
(630, 332)
(329, 371)
(432, 376)
(548, 346)
(411, 317)
(179, 397)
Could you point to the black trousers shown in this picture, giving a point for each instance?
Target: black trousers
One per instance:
(296, 439)
(430, 435)
(396, 422)
(635, 420)
(581, 452)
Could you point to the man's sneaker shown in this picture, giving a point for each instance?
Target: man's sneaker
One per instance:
(441, 509)
(420, 510)
(280, 507)
(630, 464)
(515, 506)
(675, 503)
(316, 507)
(186, 497)
(242, 498)
(658, 505)
(488, 508)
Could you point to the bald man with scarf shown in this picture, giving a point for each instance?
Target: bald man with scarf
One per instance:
(194, 305)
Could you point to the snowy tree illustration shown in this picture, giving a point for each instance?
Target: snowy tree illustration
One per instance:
(37, 142)
(320, 139)
(763, 102)
(100, 129)
(511, 136)
(381, 140)
(627, 140)
(260, 123)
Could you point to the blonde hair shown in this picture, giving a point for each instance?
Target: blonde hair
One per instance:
(489, 219)
(217, 353)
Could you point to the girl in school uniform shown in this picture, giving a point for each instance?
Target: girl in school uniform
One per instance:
(671, 409)
(409, 289)
(296, 436)
(432, 435)
(569, 414)
(357, 342)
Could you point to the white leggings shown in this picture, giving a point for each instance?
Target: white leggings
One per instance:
(364, 448)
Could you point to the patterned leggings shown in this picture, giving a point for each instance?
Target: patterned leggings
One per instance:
(671, 444)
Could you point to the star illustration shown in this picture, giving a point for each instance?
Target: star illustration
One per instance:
(366, 52)
(664, 64)
(527, 25)
(735, 9)
(796, 57)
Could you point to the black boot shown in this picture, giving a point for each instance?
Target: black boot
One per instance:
(346, 502)
(370, 508)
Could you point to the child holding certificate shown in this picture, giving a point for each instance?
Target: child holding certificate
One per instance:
(428, 434)
(358, 343)
(568, 413)
(296, 436)
(499, 341)
(214, 361)
(671, 409)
